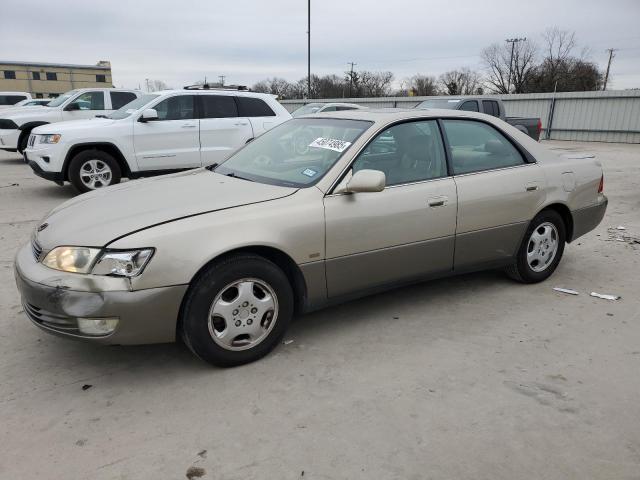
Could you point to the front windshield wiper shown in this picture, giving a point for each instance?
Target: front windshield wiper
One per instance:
(101, 116)
(234, 175)
(212, 167)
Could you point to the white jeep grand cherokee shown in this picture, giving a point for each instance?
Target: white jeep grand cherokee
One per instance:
(16, 124)
(160, 132)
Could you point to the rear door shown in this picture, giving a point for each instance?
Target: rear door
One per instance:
(172, 141)
(86, 105)
(259, 113)
(222, 131)
(499, 191)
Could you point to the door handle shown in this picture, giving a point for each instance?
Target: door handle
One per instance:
(437, 202)
(532, 188)
(241, 124)
(188, 125)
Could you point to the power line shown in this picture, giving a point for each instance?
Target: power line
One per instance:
(351, 77)
(606, 75)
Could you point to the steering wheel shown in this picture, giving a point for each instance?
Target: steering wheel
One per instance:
(263, 160)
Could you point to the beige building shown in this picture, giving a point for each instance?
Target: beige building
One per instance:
(45, 80)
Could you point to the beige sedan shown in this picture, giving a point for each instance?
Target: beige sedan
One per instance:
(225, 256)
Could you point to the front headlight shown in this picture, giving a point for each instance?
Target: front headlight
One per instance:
(50, 138)
(119, 263)
(122, 263)
(71, 259)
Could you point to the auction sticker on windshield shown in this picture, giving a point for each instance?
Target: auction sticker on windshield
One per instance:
(330, 144)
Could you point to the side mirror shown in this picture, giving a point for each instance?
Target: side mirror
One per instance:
(72, 107)
(364, 181)
(148, 115)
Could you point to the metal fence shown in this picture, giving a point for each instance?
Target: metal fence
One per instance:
(612, 116)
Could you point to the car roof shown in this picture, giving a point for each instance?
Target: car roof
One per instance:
(213, 91)
(388, 115)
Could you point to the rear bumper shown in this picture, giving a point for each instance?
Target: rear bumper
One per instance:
(586, 219)
(54, 301)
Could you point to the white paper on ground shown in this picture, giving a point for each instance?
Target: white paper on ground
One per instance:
(605, 296)
(566, 290)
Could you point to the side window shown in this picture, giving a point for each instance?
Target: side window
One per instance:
(253, 107)
(10, 74)
(476, 146)
(176, 108)
(11, 99)
(52, 76)
(491, 107)
(470, 106)
(330, 109)
(340, 108)
(36, 75)
(218, 106)
(90, 101)
(408, 152)
(120, 99)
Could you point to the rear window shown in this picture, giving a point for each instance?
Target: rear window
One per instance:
(254, 107)
(218, 106)
(11, 99)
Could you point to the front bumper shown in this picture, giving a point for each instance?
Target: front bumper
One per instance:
(54, 301)
(586, 219)
(57, 177)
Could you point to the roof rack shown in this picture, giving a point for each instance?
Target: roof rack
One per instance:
(216, 86)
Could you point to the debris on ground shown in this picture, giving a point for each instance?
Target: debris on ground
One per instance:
(86, 386)
(195, 472)
(605, 296)
(202, 453)
(619, 234)
(566, 290)
(620, 227)
(10, 185)
(287, 342)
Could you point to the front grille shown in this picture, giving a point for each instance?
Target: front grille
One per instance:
(32, 140)
(51, 320)
(36, 249)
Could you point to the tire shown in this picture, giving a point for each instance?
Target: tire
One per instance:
(93, 169)
(224, 319)
(531, 266)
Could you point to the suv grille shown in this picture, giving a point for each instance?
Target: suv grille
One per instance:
(32, 140)
(36, 249)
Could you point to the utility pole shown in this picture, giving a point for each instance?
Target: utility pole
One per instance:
(606, 75)
(308, 48)
(513, 42)
(351, 77)
(222, 77)
(147, 81)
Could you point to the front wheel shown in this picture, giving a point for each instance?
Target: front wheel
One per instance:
(93, 169)
(237, 311)
(541, 248)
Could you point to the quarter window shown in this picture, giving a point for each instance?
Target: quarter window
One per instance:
(470, 106)
(90, 101)
(476, 146)
(408, 152)
(52, 76)
(176, 108)
(9, 74)
(120, 99)
(254, 107)
(218, 106)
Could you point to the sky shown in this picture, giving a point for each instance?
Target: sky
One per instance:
(181, 42)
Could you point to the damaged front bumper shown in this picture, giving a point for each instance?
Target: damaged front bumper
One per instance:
(58, 303)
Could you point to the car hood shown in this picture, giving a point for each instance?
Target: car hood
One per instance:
(73, 125)
(23, 115)
(97, 218)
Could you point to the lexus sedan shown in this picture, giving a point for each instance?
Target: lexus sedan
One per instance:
(224, 256)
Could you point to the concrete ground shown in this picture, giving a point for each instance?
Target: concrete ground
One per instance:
(474, 377)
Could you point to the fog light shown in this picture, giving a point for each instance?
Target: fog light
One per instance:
(97, 326)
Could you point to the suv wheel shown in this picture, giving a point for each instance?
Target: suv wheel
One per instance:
(237, 311)
(93, 169)
(541, 249)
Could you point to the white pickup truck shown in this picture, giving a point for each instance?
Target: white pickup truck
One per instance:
(159, 132)
(16, 124)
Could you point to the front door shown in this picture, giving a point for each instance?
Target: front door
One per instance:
(404, 232)
(172, 141)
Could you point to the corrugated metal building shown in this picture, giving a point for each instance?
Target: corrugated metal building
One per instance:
(611, 116)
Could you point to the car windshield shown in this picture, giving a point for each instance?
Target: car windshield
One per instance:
(307, 109)
(297, 153)
(56, 102)
(444, 103)
(132, 107)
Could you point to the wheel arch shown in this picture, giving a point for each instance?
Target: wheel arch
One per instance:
(565, 213)
(106, 147)
(281, 259)
(25, 130)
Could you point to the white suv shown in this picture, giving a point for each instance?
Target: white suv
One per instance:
(159, 132)
(16, 124)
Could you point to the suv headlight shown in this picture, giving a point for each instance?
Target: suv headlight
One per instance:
(120, 263)
(49, 138)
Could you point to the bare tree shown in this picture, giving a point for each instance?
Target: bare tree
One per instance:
(461, 82)
(422, 85)
(156, 85)
(275, 86)
(375, 84)
(497, 59)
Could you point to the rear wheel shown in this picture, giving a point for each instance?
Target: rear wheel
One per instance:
(541, 249)
(237, 311)
(93, 169)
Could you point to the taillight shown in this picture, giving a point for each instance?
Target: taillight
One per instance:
(539, 126)
(601, 186)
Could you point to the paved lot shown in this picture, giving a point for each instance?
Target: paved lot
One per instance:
(473, 377)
